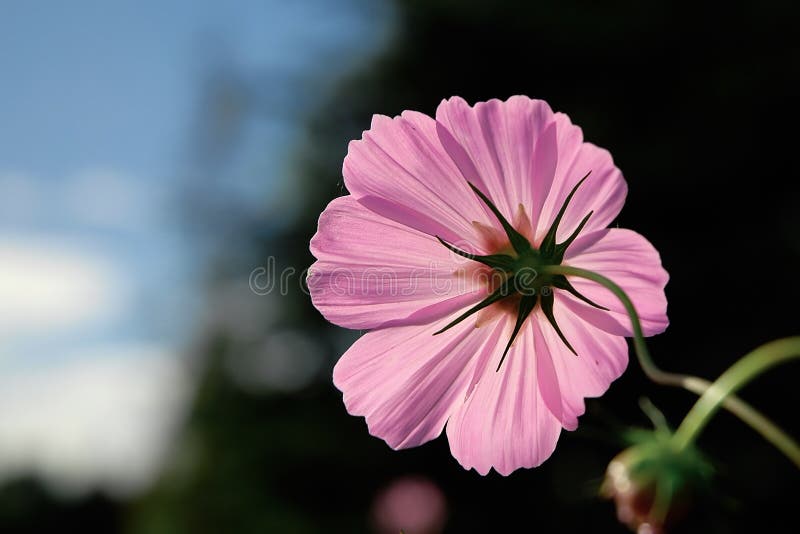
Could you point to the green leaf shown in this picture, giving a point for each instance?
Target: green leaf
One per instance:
(547, 308)
(549, 242)
(500, 293)
(518, 241)
(561, 282)
(526, 306)
(502, 262)
(561, 248)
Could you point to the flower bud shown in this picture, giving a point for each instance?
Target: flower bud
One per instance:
(653, 484)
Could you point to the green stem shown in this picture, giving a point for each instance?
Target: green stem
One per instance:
(739, 374)
(760, 423)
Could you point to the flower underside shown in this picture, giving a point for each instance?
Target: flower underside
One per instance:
(523, 272)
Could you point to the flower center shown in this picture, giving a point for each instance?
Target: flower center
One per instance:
(524, 271)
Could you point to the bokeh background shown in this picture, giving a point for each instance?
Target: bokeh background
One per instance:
(154, 154)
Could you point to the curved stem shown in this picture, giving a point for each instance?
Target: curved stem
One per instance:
(739, 374)
(760, 423)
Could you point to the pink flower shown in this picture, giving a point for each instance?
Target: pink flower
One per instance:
(410, 504)
(437, 252)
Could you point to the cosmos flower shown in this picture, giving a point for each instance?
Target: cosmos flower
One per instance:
(410, 504)
(441, 252)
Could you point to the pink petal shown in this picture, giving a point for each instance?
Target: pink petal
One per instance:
(546, 377)
(407, 382)
(634, 264)
(601, 359)
(505, 423)
(373, 272)
(603, 192)
(400, 170)
(507, 149)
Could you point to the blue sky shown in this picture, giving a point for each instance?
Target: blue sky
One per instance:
(98, 101)
(113, 82)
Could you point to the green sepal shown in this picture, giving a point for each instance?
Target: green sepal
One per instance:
(548, 245)
(502, 292)
(561, 248)
(561, 282)
(502, 262)
(547, 308)
(526, 306)
(518, 241)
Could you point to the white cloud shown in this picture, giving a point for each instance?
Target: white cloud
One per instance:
(104, 419)
(90, 199)
(47, 286)
(19, 196)
(107, 198)
(77, 414)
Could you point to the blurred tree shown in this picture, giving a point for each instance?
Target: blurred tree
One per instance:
(28, 507)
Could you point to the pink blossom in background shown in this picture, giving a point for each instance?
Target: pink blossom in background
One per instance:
(411, 503)
(428, 253)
